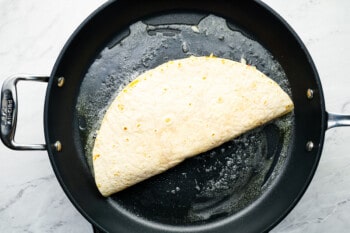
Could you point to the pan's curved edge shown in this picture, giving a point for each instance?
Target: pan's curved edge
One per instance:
(52, 80)
(322, 105)
(87, 21)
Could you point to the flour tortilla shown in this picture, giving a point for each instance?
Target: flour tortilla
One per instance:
(178, 110)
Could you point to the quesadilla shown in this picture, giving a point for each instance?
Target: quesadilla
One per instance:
(176, 111)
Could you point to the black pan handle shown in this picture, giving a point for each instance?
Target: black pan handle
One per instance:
(336, 120)
(9, 106)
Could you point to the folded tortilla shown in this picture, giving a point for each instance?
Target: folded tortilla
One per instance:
(178, 110)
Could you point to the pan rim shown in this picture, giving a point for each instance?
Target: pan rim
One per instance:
(52, 153)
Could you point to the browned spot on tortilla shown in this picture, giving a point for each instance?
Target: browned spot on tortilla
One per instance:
(289, 107)
(120, 107)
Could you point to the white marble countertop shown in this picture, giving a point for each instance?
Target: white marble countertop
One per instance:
(32, 33)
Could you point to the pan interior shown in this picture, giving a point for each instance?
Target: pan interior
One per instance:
(217, 183)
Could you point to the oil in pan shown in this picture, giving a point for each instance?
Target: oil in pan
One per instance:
(212, 185)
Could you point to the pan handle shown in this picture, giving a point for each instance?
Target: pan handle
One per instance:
(9, 106)
(336, 120)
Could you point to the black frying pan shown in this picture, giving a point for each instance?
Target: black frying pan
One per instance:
(247, 185)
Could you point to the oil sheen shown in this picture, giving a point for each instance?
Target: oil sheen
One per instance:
(212, 185)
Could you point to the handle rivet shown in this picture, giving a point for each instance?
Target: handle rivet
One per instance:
(58, 146)
(310, 94)
(60, 81)
(309, 146)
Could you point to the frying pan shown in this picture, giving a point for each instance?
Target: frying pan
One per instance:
(75, 68)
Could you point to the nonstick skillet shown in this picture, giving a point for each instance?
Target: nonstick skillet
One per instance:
(78, 75)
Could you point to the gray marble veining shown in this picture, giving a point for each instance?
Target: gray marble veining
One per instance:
(32, 33)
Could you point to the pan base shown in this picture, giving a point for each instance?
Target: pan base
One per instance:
(215, 184)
